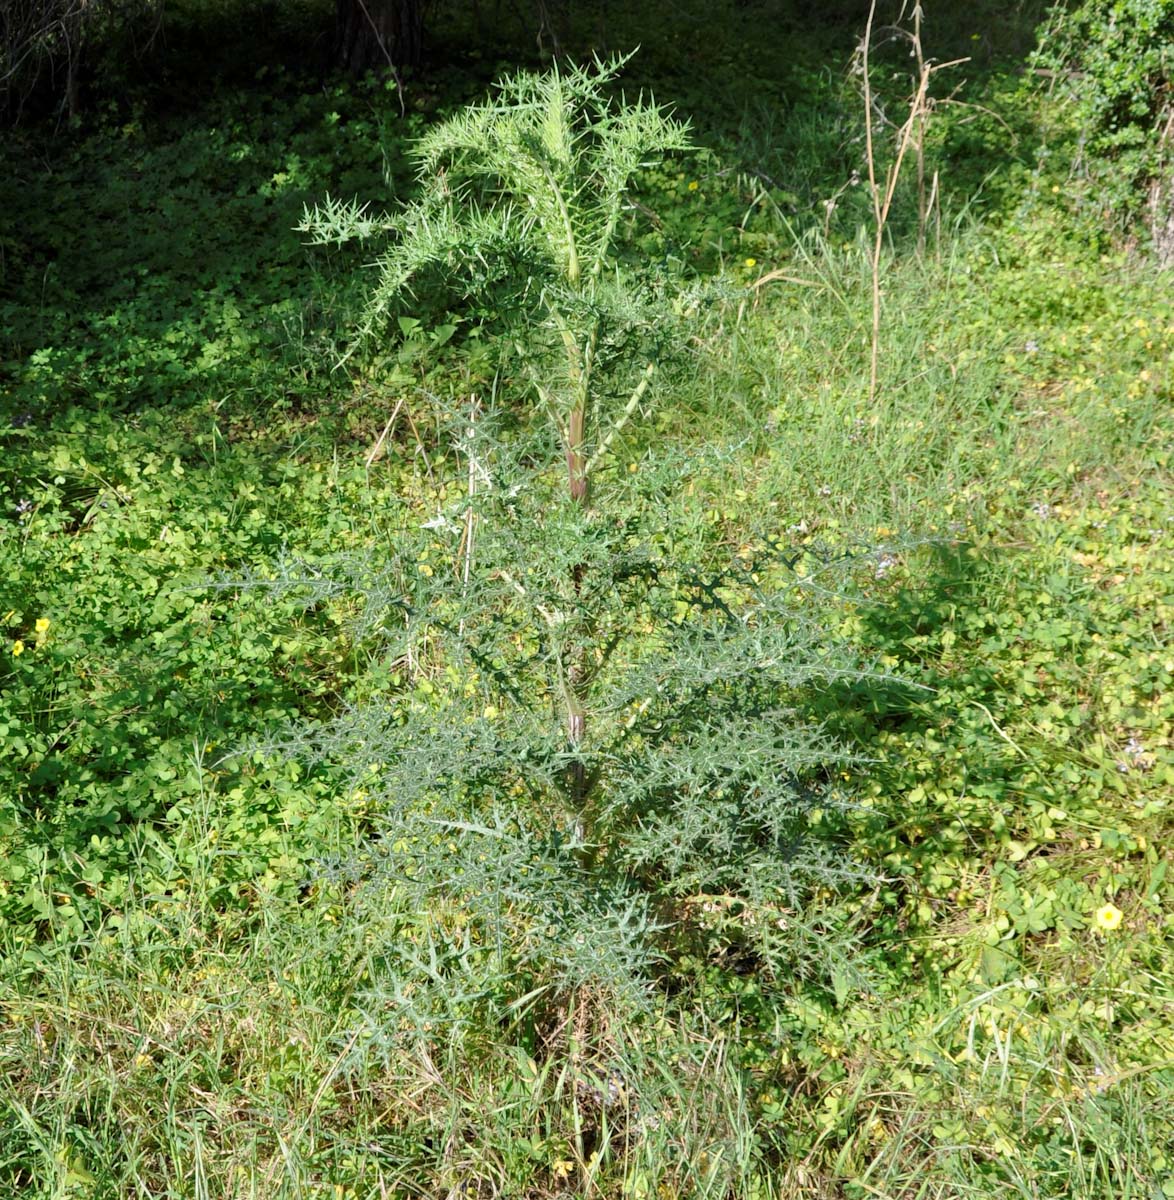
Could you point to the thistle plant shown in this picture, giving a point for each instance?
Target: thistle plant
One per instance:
(521, 849)
(709, 792)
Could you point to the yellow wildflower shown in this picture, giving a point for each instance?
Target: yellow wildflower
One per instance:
(17, 648)
(694, 186)
(752, 262)
(42, 625)
(1107, 918)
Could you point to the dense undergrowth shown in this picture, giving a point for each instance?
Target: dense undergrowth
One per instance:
(259, 942)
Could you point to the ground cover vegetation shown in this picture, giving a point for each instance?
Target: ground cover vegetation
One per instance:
(660, 686)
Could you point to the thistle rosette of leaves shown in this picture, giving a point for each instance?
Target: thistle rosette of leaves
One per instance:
(710, 798)
(522, 198)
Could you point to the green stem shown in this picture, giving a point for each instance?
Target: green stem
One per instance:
(629, 408)
(568, 228)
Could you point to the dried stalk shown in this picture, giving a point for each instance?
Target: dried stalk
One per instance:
(911, 133)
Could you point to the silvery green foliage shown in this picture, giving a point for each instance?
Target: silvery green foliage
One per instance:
(710, 775)
(594, 745)
(468, 923)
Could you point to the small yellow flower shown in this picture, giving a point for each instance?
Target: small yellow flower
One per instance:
(752, 262)
(694, 186)
(17, 648)
(1107, 918)
(42, 625)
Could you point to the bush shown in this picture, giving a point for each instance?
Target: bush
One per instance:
(1116, 59)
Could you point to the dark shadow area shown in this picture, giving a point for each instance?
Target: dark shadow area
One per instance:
(946, 783)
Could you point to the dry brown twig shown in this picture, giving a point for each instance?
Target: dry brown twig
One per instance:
(911, 134)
